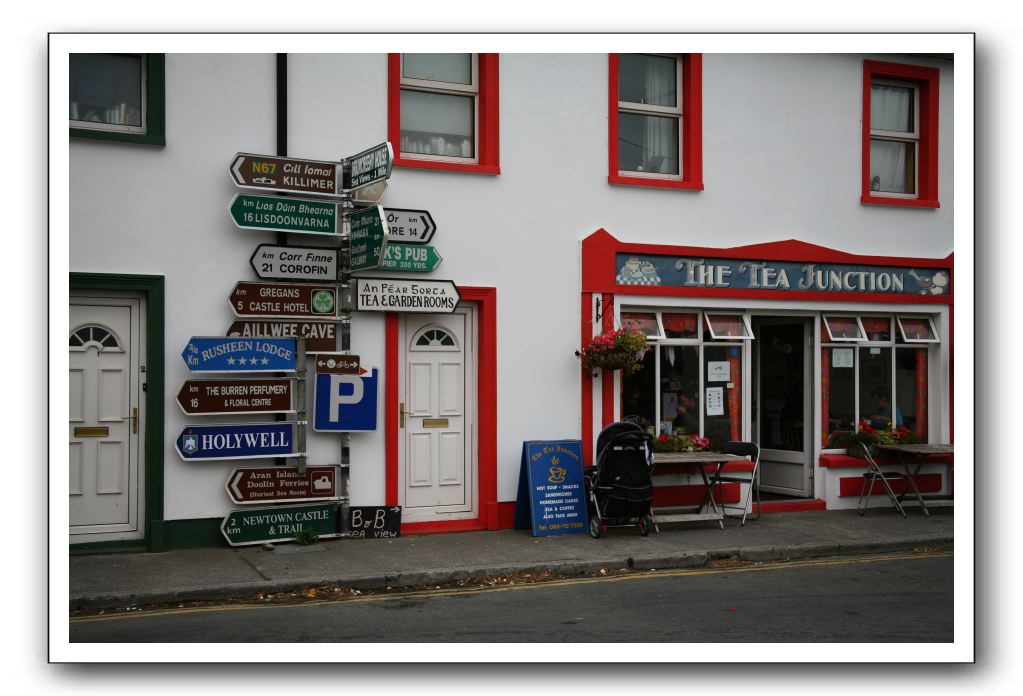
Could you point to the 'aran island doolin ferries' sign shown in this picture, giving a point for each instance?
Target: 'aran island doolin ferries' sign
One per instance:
(675, 271)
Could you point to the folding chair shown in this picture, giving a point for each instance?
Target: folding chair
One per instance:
(873, 474)
(752, 478)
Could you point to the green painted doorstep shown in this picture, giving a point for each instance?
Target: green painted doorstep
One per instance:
(165, 536)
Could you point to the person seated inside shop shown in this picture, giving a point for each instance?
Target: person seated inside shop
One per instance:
(687, 412)
(882, 416)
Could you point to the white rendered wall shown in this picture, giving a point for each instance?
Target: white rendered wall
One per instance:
(781, 151)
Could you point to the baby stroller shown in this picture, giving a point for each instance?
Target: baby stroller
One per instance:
(619, 485)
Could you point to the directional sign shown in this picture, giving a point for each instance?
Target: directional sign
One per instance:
(251, 212)
(318, 335)
(338, 364)
(369, 238)
(375, 522)
(285, 300)
(209, 397)
(295, 263)
(229, 354)
(281, 484)
(409, 226)
(369, 166)
(286, 175)
(281, 523)
(345, 403)
(401, 295)
(410, 257)
(236, 441)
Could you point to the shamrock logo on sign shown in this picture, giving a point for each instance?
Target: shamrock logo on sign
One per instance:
(323, 302)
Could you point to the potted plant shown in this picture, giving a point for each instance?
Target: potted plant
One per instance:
(870, 436)
(619, 350)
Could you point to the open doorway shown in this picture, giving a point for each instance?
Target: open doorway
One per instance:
(783, 407)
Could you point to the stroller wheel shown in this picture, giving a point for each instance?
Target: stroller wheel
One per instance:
(595, 528)
(644, 525)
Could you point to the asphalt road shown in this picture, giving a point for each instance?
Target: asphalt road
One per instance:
(887, 598)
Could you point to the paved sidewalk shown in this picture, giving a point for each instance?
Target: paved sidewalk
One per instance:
(122, 580)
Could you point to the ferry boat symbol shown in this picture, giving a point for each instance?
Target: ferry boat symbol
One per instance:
(322, 483)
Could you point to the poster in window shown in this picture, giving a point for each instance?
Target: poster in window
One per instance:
(715, 401)
(842, 357)
(718, 371)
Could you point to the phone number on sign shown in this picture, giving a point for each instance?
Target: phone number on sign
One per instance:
(566, 525)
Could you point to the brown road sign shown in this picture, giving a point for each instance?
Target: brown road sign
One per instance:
(319, 335)
(223, 396)
(338, 364)
(284, 300)
(268, 173)
(281, 484)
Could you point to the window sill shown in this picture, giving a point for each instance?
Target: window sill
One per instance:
(656, 183)
(111, 136)
(904, 202)
(448, 166)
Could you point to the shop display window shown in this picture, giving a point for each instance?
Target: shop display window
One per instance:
(877, 328)
(728, 326)
(917, 330)
(642, 321)
(840, 328)
(680, 325)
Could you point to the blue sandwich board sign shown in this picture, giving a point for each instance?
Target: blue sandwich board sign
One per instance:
(236, 441)
(551, 496)
(345, 403)
(234, 354)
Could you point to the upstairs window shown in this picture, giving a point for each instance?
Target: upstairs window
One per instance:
(443, 111)
(117, 96)
(900, 134)
(655, 119)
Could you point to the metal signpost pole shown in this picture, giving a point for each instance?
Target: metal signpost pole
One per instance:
(300, 410)
(344, 270)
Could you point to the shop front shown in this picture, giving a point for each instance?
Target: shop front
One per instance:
(793, 346)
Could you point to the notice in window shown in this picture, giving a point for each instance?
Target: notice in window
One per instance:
(718, 371)
(715, 401)
(842, 357)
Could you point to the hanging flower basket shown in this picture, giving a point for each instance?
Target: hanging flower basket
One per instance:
(619, 350)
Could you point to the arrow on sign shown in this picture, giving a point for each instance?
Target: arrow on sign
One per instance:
(409, 226)
(417, 258)
(271, 173)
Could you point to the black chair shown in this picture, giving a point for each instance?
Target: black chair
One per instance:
(873, 474)
(750, 478)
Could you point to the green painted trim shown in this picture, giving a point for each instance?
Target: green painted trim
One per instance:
(152, 288)
(86, 549)
(156, 110)
(193, 534)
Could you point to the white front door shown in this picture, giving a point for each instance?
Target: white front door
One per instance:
(437, 468)
(104, 418)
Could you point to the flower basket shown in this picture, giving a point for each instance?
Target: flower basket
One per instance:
(870, 436)
(619, 350)
(613, 360)
(679, 441)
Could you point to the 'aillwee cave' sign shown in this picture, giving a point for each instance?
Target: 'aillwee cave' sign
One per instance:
(677, 271)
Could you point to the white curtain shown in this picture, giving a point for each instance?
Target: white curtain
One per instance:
(891, 109)
(660, 138)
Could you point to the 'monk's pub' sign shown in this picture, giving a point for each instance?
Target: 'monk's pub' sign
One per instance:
(741, 274)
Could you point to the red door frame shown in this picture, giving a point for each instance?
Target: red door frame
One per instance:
(485, 300)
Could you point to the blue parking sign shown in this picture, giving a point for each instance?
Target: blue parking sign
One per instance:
(345, 403)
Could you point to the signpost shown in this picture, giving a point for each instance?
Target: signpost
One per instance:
(272, 524)
(284, 300)
(286, 175)
(401, 295)
(251, 212)
(281, 484)
(272, 262)
(319, 335)
(410, 226)
(345, 402)
(236, 441)
(338, 364)
(368, 238)
(229, 354)
(368, 167)
(214, 397)
(410, 257)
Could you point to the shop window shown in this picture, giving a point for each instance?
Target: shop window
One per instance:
(838, 394)
(839, 328)
(878, 329)
(917, 330)
(900, 134)
(117, 96)
(680, 389)
(646, 322)
(655, 120)
(722, 393)
(680, 325)
(728, 326)
(443, 111)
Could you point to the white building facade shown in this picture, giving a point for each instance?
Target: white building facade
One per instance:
(781, 225)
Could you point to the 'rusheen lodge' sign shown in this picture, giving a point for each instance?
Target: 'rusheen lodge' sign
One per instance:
(696, 272)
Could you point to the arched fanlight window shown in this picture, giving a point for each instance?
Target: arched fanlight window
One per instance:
(434, 338)
(94, 335)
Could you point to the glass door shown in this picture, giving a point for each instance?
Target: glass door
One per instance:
(783, 406)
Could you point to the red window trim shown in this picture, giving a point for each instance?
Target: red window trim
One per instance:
(488, 123)
(692, 128)
(927, 80)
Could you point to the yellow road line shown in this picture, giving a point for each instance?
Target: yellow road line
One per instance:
(637, 575)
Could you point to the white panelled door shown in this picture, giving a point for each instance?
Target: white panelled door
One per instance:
(104, 419)
(437, 467)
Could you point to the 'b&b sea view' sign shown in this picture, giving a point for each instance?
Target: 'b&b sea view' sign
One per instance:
(676, 271)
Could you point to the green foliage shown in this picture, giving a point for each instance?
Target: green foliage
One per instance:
(306, 536)
(619, 350)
